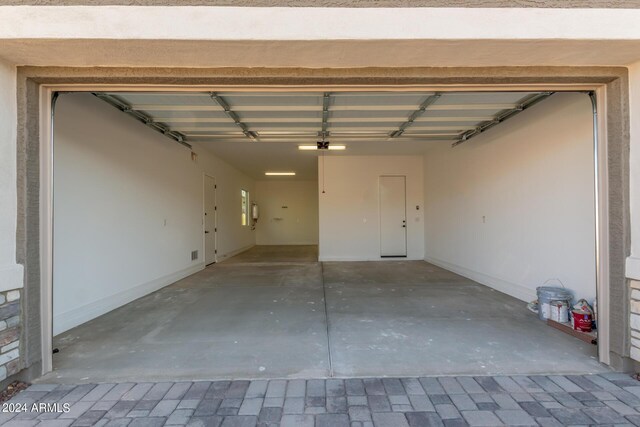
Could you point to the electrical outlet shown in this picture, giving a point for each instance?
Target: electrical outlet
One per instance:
(194, 255)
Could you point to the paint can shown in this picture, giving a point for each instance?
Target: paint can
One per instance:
(559, 311)
(547, 294)
(581, 320)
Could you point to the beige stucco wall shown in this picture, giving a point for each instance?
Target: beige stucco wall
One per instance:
(139, 36)
(633, 261)
(10, 271)
(348, 3)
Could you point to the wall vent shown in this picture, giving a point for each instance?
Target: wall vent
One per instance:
(194, 255)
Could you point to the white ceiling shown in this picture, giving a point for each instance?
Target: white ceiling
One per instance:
(255, 159)
(260, 131)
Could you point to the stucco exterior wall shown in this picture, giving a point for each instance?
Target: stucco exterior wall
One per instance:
(10, 272)
(346, 3)
(633, 261)
(163, 36)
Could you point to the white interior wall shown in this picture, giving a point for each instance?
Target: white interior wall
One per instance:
(349, 209)
(11, 274)
(531, 179)
(128, 209)
(232, 237)
(295, 224)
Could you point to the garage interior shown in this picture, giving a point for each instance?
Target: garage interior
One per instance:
(397, 233)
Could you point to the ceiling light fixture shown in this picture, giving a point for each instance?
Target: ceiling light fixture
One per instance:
(280, 173)
(315, 147)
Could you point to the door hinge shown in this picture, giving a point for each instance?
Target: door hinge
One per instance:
(215, 208)
(215, 230)
(215, 186)
(215, 251)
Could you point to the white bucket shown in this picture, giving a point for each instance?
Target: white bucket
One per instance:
(559, 311)
(546, 294)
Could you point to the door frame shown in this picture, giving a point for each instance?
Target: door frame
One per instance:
(47, 91)
(204, 219)
(406, 222)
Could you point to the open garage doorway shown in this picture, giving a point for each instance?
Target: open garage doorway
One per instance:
(360, 233)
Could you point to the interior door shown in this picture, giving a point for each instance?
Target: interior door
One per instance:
(393, 216)
(210, 212)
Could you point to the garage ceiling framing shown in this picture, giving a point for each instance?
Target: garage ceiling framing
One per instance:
(501, 117)
(303, 117)
(142, 117)
(326, 100)
(419, 112)
(233, 116)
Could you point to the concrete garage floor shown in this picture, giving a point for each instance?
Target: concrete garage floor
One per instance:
(276, 254)
(262, 315)
(402, 318)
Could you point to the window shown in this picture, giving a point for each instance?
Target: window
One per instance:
(245, 206)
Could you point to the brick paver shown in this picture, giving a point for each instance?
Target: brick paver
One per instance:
(607, 399)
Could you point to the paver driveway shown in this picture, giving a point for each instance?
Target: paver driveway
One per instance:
(605, 399)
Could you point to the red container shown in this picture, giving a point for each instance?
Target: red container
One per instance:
(581, 320)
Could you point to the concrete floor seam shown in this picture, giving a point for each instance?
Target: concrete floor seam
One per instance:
(258, 316)
(326, 315)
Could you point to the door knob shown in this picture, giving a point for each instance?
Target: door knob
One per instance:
(206, 232)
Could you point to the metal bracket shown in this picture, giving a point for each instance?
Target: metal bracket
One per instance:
(324, 133)
(417, 113)
(505, 115)
(233, 116)
(142, 117)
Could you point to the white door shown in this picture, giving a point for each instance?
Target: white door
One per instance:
(393, 216)
(210, 213)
